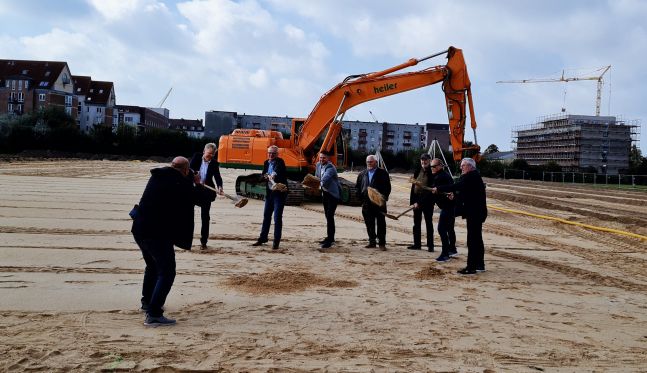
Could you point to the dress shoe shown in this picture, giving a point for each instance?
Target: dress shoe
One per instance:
(430, 249)
(324, 241)
(382, 247)
(259, 242)
(467, 271)
(371, 245)
(158, 321)
(413, 247)
(275, 246)
(326, 244)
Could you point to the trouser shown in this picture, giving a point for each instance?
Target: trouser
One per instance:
(475, 248)
(428, 212)
(374, 214)
(330, 206)
(159, 273)
(204, 216)
(274, 204)
(446, 231)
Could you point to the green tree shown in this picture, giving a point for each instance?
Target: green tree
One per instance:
(520, 164)
(492, 148)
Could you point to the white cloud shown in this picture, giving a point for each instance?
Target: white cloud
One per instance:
(116, 9)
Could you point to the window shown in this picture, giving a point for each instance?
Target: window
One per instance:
(43, 84)
(68, 110)
(41, 97)
(101, 91)
(99, 110)
(12, 96)
(47, 73)
(26, 84)
(6, 83)
(13, 85)
(10, 108)
(87, 109)
(19, 108)
(20, 85)
(68, 100)
(128, 119)
(21, 97)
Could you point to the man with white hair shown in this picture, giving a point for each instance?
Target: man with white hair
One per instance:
(379, 179)
(206, 170)
(471, 193)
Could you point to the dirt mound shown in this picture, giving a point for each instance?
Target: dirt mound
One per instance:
(283, 281)
(429, 273)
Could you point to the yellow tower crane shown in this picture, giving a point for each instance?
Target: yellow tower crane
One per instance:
(600, 73)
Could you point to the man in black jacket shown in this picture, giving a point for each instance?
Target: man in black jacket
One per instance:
(472, 195)
(164, 218)
(206, 170)
(446, 218)
(379, 179)
(423, 204)
(275, 172)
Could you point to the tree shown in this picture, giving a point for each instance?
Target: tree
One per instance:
(520, 164)
(491, 149)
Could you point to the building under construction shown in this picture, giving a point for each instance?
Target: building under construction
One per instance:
(578, 143)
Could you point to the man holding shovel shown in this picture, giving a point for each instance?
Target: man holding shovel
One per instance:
(374, 179)
(206, 170)
(330, 193)
(446, 219)
(422, 201)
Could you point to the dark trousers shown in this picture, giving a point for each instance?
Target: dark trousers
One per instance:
(159, 273)
(446, 231)
(475, 247)
(330, 206)
(428, 212)
(373, 214)
(204, 216)
(274, 204)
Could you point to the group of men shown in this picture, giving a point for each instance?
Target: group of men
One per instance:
(164, 215)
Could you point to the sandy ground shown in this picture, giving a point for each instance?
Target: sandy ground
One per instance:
(555, 297)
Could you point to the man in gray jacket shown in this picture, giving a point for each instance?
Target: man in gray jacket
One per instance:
(331, 194)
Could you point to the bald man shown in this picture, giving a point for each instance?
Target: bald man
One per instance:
(164, 218)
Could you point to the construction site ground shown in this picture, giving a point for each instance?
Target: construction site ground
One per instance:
(555, 297)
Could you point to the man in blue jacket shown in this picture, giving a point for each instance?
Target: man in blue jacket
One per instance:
(164, 218)
(330, 193)
(377, 178)
(471, 191)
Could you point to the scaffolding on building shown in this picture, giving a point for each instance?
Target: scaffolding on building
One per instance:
(578, 142)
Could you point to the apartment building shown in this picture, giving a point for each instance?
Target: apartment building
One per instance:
(362, 136)
(141, 118)
(192, 127)
(96, 103)
(577, 142)
(27, 86)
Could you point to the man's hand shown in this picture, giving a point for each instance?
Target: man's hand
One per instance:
(415, 206)
(434, 190)
(450, 195)
(220, 191)
(196, 178)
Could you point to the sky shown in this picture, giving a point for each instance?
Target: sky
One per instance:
(277, 57)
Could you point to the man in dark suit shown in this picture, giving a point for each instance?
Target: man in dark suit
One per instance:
(446, 218)
(206, 170)
(274, 172)
(379, 179)
(164, 218)
(471, 191)
(423, 204)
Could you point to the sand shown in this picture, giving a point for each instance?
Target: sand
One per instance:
(555, 297)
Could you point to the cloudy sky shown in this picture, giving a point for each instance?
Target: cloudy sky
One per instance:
(277, 57)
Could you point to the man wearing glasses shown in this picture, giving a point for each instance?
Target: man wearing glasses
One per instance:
(206, 169)
(472, 194)
(379, 179)
(274, 172)
(423, 204)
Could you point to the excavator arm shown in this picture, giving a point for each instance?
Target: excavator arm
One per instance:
(357, 89)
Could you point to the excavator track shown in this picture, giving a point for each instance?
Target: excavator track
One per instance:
(253, 186)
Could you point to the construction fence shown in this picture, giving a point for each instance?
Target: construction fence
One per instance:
(622, 181)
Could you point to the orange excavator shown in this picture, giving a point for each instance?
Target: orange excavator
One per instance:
(246, 148)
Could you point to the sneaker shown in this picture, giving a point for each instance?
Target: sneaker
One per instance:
(442, 258)
(453, 254)
(158, 321)
(413, 247)
(327, 244)
(371, 245)
(467, 271)
(382, 247)
(259, 242)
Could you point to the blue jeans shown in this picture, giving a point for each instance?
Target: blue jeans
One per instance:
(446, 231)
(274, 204)
(159, 274)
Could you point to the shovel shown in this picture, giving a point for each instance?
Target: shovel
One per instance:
(238, 201)
(396, 217)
